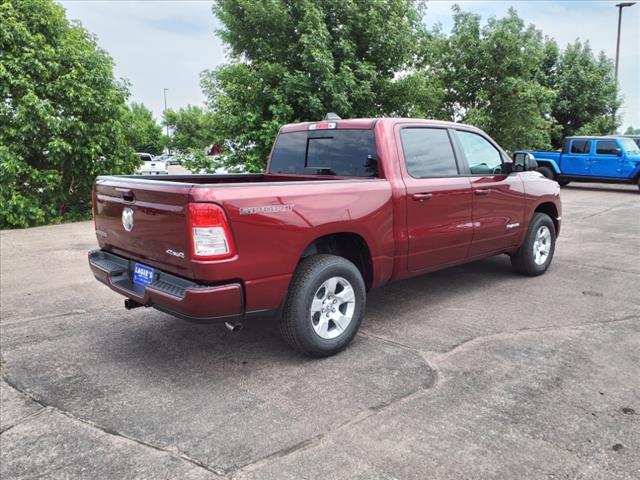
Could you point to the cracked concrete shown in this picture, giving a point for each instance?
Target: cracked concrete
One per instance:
(53, 445)
(14, 406)
(472, 372)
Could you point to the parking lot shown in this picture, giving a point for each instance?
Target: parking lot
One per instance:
(473, 372)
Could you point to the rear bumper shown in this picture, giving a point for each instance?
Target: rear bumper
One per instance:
(168, 293)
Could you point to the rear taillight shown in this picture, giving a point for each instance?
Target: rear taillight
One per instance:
(93, 207)
(210, 233)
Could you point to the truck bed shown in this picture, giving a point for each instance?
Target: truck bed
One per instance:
(272, 219)
(539, 155)
(217, 179)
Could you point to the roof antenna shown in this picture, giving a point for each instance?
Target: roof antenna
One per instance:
(332, 116)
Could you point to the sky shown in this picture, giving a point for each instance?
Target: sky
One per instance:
(166, 44)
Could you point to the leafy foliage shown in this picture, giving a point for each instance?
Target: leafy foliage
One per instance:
(61, 115)
(192, 128)
(490, 74)
(143, 133)
(632, 131)
(196, 161)
(64, 119)
(296, 60)
(586, 93)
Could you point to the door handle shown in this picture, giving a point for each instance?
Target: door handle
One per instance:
(421, 197)
(481, 191)
(127, 194)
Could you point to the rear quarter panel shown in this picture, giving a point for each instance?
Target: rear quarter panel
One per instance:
(270, 241)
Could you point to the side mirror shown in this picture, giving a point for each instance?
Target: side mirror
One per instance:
(619, 152)
(523, 161)
(507, 168)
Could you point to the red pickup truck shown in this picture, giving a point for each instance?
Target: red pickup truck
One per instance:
(345, 206)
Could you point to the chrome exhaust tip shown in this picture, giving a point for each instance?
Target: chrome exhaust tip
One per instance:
(233, 326)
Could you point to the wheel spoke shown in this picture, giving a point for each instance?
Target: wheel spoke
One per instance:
(323, 326)
(316, 305)
(347, 295)
(341, 322)
(331, 285)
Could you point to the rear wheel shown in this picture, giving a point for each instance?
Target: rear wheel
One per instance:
(536, 252)
(563, 182)
(324, 306)
(547, 172)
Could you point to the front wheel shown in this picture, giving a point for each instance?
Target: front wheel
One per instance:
(324, 306)
(536, 252)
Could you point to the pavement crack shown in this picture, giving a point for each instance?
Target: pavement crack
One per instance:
(359, 417)
(313, 441)
(24, 419)
(76, 311)
(169, 451)
(597, 267)
(507, 333)
(430, 359)
(601, 212)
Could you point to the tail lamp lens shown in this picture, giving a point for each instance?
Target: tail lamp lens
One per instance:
(93, 207)
(211, 236)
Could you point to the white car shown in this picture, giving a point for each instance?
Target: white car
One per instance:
(151, 166)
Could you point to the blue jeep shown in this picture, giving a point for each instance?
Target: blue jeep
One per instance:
(592, 159)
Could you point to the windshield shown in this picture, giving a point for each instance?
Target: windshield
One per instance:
(347, 152)
(629, 146)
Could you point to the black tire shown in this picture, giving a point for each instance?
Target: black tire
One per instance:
(564, 183)
(296, 322)
(547, 172)
(523, 260)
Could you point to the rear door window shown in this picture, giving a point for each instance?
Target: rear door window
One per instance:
(606, 147)
(428, 152)
(346, 152)
(581, 146)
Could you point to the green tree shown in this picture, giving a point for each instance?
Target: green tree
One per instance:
(192, 128)
(491, 74)
(61, 115)
(143, 132)
(632, 131)
(586, 93)
(296, 60)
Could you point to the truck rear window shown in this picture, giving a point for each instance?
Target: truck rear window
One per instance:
(349, 153)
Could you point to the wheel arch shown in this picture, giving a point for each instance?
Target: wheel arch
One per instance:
(349, 245)
(550, 209)
(545, 162)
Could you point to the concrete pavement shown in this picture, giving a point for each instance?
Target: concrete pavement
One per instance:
(471, 372)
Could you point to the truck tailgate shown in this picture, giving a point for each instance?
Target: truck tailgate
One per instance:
(145, 221)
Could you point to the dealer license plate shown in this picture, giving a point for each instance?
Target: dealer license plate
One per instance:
(142, 275)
